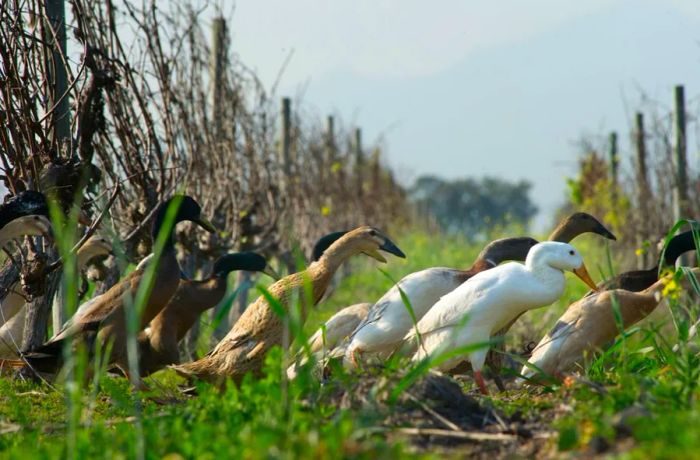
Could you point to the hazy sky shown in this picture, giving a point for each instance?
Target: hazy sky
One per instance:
(469, 88)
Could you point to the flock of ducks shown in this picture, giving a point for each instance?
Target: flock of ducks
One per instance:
(449, 318)
(455, 319)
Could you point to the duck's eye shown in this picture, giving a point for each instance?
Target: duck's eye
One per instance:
(373, 232)
(571, 252)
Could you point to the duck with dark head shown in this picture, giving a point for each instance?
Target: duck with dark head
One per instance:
(577, 224)
(638, 280)
(324, 243)
(158, 343)
(244, 348)
(25, 203)
(591, 324)
(103, 318)
(25, 214)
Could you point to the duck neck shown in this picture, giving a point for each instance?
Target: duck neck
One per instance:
(158, 225)
(564, 233)
(684, 283)
(552, 278)
(321, 272)
(85, 255)
(481, 264)
(331, 260)
(652, 271)
(192, 299)
(5, 236)
(204, 296)
(11, 231)
(677, 246)
(655, 288)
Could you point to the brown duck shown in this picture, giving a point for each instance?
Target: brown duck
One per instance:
(158, 343)
(244, 348)
(104, 319)
(589, 325)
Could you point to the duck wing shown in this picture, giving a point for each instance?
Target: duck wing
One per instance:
(455, 307)
(48, 358)
(102, 306)
(338, 327)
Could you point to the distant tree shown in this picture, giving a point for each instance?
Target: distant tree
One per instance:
(474, 206)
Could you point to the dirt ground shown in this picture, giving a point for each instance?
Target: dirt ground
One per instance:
(435, 415)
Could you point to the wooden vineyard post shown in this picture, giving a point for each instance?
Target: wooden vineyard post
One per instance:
(359, 161)
(330, 140)
(376, 170)
(217, 67)
(642, 187)
(216, 70)
(680, 191)
(613, 158)
(613, 167)
(57, 79)
(285, 154)
(56, 71)
(286, 140)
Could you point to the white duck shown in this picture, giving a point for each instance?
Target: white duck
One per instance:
(388, 321)
(477, 309)
(12, 331)
(332, 333)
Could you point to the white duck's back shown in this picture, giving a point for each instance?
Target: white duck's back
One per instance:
(338, 327)
(388, 319)
(481, 306)
(491, 298)
(548, 354)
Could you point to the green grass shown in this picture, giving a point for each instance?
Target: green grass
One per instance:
(270, 418)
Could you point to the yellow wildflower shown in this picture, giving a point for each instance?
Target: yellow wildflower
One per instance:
(586, 430)
(672, 289)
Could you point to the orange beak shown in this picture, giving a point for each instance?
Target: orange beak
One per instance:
(582, 273)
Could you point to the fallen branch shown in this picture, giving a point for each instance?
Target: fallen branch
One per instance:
(468, 435)
(429, 410)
